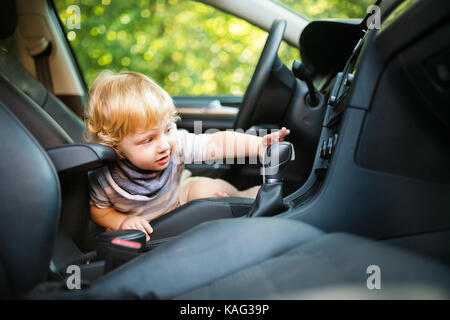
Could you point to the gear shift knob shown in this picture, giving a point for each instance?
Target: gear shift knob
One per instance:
(269, 200)
(275, 159)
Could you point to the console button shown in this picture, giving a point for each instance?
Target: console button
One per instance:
(335, 138)
(323, 149)
(349, 80)
(330, 147)
(332, 101)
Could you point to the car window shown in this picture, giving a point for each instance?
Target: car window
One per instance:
(327, 9)
(188, 47)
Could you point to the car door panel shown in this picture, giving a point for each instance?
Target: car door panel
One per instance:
(211, 112)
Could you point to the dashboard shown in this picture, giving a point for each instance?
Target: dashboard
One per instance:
(381, 164)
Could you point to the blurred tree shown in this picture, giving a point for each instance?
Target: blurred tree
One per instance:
(329, 9)
(187, 47)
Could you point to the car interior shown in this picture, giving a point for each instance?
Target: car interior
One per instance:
(363, 178)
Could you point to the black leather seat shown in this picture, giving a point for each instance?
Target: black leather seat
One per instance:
(52, 124)
(69, 125)
(31, 201)
(269, 258)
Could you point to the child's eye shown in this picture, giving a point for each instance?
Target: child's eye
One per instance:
(148, 140)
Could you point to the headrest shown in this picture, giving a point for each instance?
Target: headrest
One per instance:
(8, 18)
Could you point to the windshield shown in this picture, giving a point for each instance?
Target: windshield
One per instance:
(327, 9)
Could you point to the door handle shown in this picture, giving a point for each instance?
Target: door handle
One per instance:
(214, 107)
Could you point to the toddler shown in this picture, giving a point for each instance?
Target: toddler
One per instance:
(133, 115)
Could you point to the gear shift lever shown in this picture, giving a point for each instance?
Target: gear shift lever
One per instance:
(276, 157)
(269, 200)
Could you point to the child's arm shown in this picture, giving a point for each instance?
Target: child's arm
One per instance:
(110, 218)
(230, 144)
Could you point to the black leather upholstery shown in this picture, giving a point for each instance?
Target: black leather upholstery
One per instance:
(43, 127)
(72, 162)
(197, 211)
(31, 200)
(333, 266)
(270, 258)
(80, 157)
(74, 188)
(65, 117)
(53, 125)
(16, 75)
(204, 254)
(269, 201)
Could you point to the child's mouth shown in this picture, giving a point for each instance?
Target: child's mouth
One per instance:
(164, 159)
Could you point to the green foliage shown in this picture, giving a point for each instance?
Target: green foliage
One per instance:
(186, 46)
(327, 9)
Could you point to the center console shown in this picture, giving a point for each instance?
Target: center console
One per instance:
(381, 166)
(329, 136)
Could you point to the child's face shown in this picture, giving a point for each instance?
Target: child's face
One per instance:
(150, 149)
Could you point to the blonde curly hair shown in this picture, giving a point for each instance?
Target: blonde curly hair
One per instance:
(122, 103)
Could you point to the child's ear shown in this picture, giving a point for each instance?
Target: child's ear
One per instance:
(116, 148)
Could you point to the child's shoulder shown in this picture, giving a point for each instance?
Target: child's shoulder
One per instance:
(96, 172)
(96, 176)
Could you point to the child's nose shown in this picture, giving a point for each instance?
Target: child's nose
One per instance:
(163, 145)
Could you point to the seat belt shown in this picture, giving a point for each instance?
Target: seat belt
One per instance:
(40, 50)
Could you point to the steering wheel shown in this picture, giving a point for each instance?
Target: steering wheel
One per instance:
(261, 75)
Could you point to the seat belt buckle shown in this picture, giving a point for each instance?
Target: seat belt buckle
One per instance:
(126, 244)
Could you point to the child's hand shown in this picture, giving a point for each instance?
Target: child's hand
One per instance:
(271, 138)
(137, 223)
(274, 137)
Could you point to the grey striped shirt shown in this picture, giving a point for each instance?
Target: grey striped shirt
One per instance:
(105, 193)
